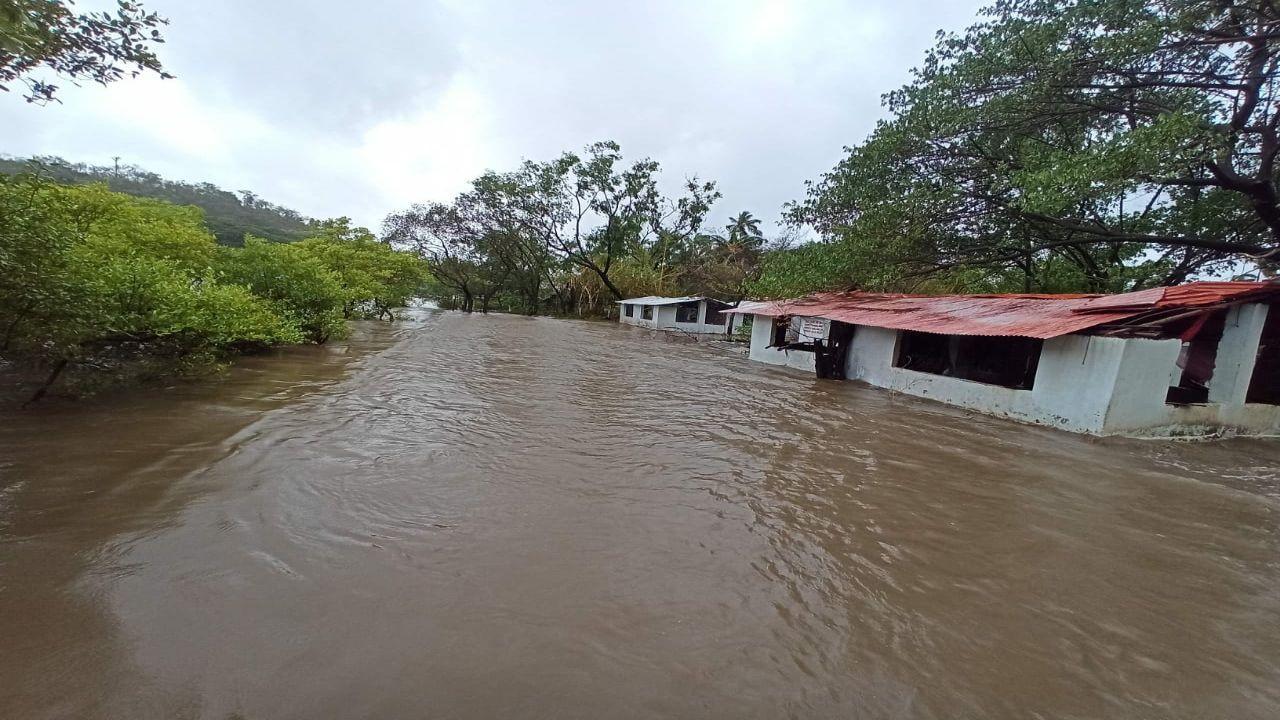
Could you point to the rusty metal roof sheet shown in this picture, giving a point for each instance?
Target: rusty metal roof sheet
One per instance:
(1022, 315)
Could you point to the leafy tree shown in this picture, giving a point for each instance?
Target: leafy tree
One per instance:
(297, 283)
(573, 226)
(724, 268)
(97, 280)
(597, 212)
(1069, 144)
(39, 224)
(101, 47)
(90, 275)
(456, 254)
(744, 228)
(375, 277)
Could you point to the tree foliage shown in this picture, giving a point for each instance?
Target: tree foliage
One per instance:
(374, 278)
(574, 234)
(89, 276)
(100, 47)
(1068, 144)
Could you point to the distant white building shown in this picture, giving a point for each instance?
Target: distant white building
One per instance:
(1194, 359)
(699, 315)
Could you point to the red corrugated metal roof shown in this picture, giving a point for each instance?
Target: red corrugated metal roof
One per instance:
(1035, 316)
(1191, 295)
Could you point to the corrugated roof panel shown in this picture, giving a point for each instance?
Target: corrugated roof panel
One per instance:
(1035, 316)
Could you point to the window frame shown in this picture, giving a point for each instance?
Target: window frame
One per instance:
(971, 358)
(683, 308)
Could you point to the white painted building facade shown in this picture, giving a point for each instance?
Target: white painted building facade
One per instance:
(1083, 383)
(698, 315)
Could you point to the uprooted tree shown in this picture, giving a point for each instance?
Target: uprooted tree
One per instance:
(1066, 144)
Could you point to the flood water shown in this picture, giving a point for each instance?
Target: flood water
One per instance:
(509, 517)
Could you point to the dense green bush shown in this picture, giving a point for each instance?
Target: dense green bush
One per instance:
(296, 283)
(88, 275)
(374, 277)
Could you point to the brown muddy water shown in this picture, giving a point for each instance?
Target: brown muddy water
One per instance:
(508, 517)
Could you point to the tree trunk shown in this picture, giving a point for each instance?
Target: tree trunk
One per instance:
(48, 383)
(535, 294)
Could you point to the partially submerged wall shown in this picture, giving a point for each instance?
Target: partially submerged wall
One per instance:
(637, 318)
(664, 318)
(1088, 384)
(1071, 388)
(762, 337)
(1138, 406)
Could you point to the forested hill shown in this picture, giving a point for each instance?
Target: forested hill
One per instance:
(228, 215)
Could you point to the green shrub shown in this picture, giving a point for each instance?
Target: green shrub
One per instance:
(295, 282)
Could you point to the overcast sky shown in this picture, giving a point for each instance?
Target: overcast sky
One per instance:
(359, 109)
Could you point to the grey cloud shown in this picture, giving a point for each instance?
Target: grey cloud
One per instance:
(320, 65)
(354, 109)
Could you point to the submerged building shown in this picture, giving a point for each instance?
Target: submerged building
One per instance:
(689, 314)
(1194, 359)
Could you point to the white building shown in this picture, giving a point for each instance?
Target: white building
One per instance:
(1195, 359)
(699, 315)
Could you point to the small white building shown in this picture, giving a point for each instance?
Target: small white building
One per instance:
(1196, 359)
(701, 315)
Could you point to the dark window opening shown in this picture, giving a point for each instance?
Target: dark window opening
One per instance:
(830, 356)
(784, 332)
(1197, 359)
(1264, 385)
(1005, 361)
(687, 312)
(630, 310)
(646, 312)
(715, 313)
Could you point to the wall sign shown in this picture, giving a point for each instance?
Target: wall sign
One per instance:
(814, 329)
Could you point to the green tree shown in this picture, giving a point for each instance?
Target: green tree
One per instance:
(101, 47)
(94, 277)
(297, 284)
(1069, 144)
(593, 212)
(744, 228)
(455, 250)
(375, 277)
(567, 225)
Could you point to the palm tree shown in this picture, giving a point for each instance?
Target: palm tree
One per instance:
(744, 227)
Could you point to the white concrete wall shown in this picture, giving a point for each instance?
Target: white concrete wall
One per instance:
(1066, 393)
(638, 319)
(701, 327)
(664, 318)
(665, 315)
(1097, 385)
(762, 336)
(1237, 352)
(1134, 411)
(1141, 384)
(622, 314)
